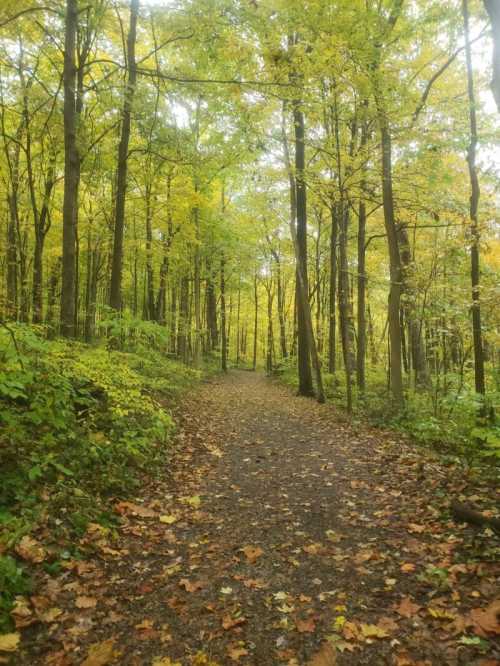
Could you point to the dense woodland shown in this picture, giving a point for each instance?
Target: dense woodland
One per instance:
(307, 189)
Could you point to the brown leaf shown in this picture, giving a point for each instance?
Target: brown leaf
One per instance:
(252, 553)
(305, 626)
(236, 652)
(417, 529)
(229, 622)
(85, 602)
(135, 510)
(486, 620)
(325, 657)
(407, 608)
(31, 550)
(22, 613)
(407, 567)
(191, 586)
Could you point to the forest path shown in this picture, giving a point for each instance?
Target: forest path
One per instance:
(279, 524)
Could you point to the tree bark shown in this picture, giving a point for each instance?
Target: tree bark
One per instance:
(479, 379)
(223, 327)
(115, 298)
(493, 9)
(71, 170)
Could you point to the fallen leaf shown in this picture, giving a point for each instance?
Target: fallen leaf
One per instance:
(229, 622)
(407, 567)
(305, 626)
(169, 519)
(85, 602)
(325, 657)
(31, 550)
(417, 529)
(407, 608)
(193, 586)
(194, 501)
(100, 654)
(236, 652)
(252, 553)
(486, 620)
(164, 661)
(135, 509)
(373, 631)
(22, 613)
(9, 642)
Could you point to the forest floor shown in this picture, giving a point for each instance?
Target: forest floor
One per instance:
(279, 534)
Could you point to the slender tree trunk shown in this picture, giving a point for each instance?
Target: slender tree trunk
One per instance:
(255, 321)
(332, 305)
(223, 327)
(71, 169)
(115, 298)
(361, 348)
(396, 370)
(474, 221)
(150, 288)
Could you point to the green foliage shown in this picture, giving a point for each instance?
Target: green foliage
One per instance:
(78, 423)
(13, 581)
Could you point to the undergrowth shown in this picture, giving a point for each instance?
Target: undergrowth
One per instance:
(444, 420)
(79, 424)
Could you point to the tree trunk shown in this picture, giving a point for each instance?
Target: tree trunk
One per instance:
(493, 9)
(115, 298)
(479, 379)
(71, 170)
(396, 370)
(332, 305)
(255, 322)
(361, 314)
(223, 328)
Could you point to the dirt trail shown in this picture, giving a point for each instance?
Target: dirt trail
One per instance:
(278, 525)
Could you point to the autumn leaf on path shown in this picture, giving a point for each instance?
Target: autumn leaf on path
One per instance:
(9, 642)
(169, 519)
(417, 529)
(164, 661)
(101, 654)
(486, 620)
(22, 613)
(135, 509)
(407, 608)
(235, 653)
(194, 501)
(252, 553)
(373, 631)
(305, 626)
(191, 586)
(325, 657)
(85, 602)
(229, 622)
(31, 550)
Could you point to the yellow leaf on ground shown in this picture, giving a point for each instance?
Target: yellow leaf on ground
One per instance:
(164, 661)
(9, 642)
(168, 519)
(100, 654)
(193, 501)
(373, 631)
